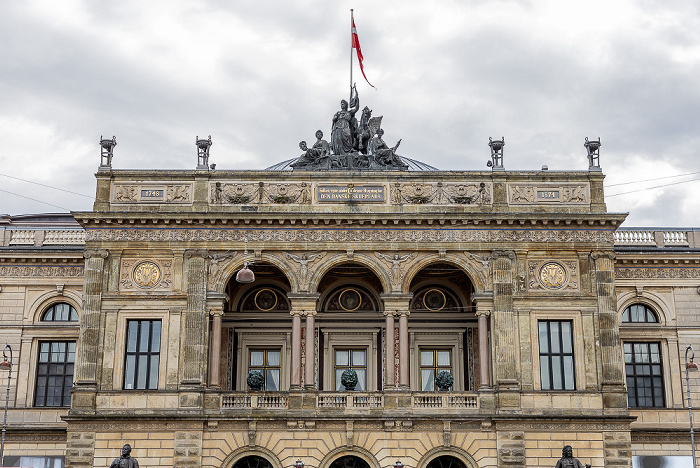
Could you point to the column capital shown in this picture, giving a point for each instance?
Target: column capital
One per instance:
(483, 312)
(99, 253)
(216, 312)
(196, 253)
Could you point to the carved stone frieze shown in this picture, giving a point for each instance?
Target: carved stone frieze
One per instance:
(233, 193)
(467, 193)
(569, 194)
(152, 192)
(145, 275)
(303, 261)
(331, 235)
(553, 275)
(482, 264)
(41, 270)
(398, 264)
(656, 272)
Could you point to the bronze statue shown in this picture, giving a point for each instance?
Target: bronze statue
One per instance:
(312, 156)
(343, 132)
(125, 461)
(384, 155)
(567, 459)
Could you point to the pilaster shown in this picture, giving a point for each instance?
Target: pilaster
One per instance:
(193, 363)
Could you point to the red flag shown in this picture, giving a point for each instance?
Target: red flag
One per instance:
(356, 45)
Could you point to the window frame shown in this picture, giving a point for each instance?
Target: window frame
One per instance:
(351, 355)
(262, 338)
(549, 354)
(434, 367)
(343, 338)
(137, 353)
(48, 375)
(647, 308)
(265, 367)
(660, 376)
(447, 339)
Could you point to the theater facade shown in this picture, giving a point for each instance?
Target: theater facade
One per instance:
(346, 319)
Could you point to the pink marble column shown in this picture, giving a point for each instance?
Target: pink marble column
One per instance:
(484, 361)
(403, 351)
(390, 362)
(309, 382)
(215, 349)
(295, 381)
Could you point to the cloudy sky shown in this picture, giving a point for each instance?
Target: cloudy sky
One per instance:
(260, 76)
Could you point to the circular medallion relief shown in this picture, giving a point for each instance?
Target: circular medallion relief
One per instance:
(265, 299)
(434, 300)
(350, 300)
(552, 275)
(146, 274)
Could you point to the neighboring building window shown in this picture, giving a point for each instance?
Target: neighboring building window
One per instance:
(639, 313)
(556, 355)
(267, 361)
(54, 377)
(644, 376)
(142, 355)
(433, 361)
(35, 461)
(60, 312)
(355, 359)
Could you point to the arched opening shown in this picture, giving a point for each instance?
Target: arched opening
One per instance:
(446, 461)
(252, 461)
(349, 461)
(444, 330)
(256, 331)
(349, 328)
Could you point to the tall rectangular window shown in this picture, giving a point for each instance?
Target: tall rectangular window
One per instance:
(267, 361)
(142, 355)
(355, 359)
(556, 355)
(644, 375)
(433, 361)
(54, 376)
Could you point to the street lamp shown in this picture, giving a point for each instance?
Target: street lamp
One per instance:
(398, 464)
(298, 464)
(690, 365)
(5, 364)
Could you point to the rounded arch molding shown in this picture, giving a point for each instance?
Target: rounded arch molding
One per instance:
(458, 453)
(354, 451)
(664, 310)
(250, 451)
(219, 277)
(49, 298)
(469, 268)
(325, 265)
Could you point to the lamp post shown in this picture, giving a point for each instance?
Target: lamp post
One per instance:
(5, 364)
(298, 464)
(690, 365)
(398, 464)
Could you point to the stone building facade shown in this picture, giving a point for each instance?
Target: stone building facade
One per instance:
(557, 326)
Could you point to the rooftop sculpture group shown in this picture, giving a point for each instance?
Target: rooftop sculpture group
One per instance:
(354, 145)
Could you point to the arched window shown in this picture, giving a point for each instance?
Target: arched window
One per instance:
(639, 313)
(445, 461)
(252, 461)
(60, 312)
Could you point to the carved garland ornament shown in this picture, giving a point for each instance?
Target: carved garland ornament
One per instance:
(145, 275)
(524, 194)
(166, 193)
(553, 274)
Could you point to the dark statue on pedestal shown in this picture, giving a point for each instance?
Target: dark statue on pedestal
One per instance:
(353, 145)
(567, 459)
(125, 461)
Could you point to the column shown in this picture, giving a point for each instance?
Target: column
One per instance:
(484, 359)
(505, 330)
(195, 320)
(89, 349)
(215, 349)
(404, 356)
(389, 358)
(295, 380)
(309, 381)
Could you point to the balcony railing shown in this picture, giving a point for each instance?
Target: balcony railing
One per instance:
(663, 237)
(351, 400)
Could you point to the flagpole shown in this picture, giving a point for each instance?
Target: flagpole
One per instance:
(351, 44)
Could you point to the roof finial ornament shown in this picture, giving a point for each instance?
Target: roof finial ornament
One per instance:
(203, 153)
(496, 146)
(593, 148)
(106, 152)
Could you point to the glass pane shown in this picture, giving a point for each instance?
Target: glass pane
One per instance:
(426, 358)
(142, 368)
(626, 315)
(338, 385)
(427, 380)
(272, 381)
(153, 372)
(567, 346)
(555, 337)
(71, 352)
(544, 373)
(131, 337)
(358, 358)
(342, 358)
(568, 373)
(443, 358)
(145, 335)
(361, 386)
(155, 342)
(257, 358)
(544, 338)
(273, 358)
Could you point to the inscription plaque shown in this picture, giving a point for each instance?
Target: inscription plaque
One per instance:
(339, 193)
(548, 195)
